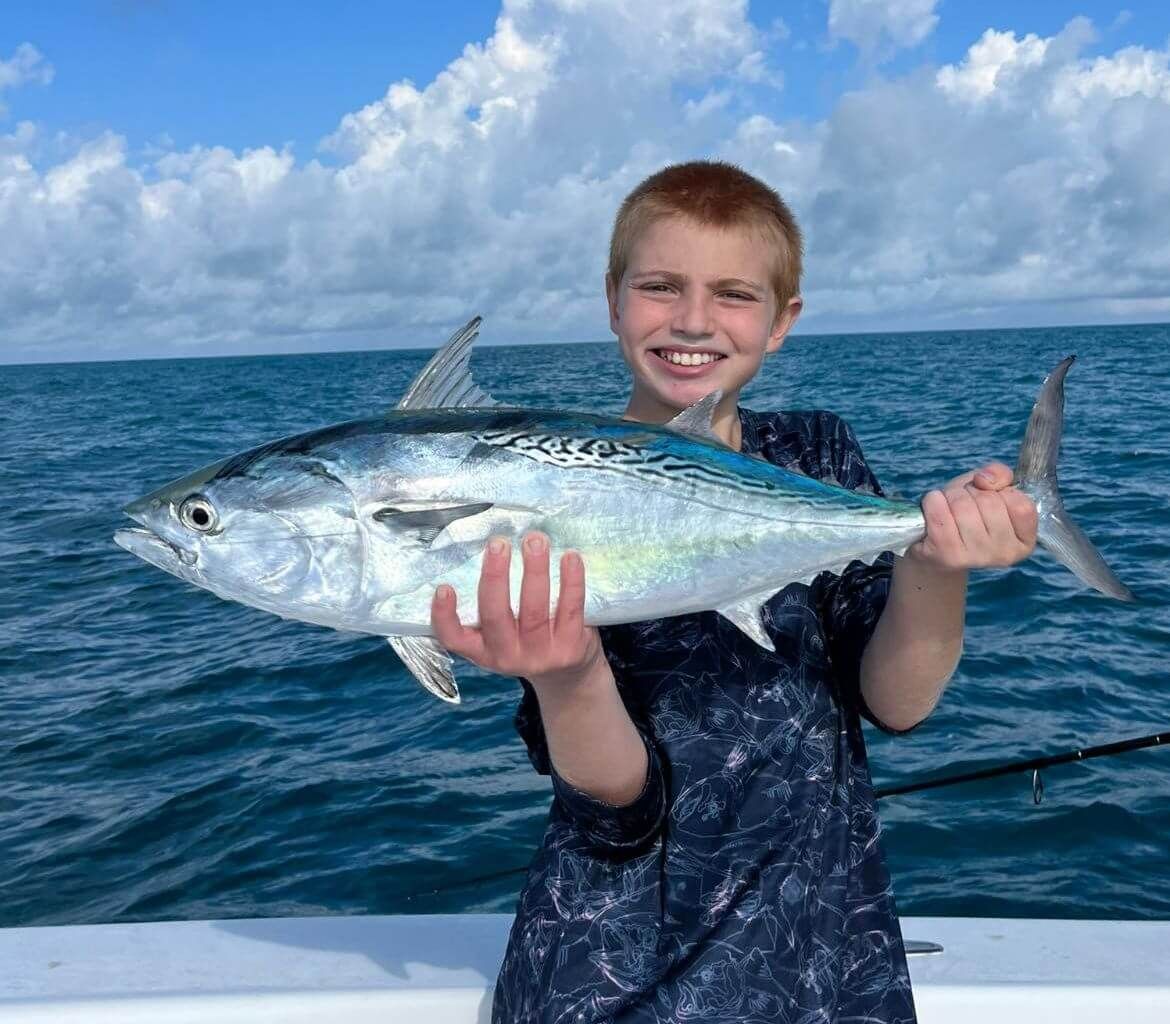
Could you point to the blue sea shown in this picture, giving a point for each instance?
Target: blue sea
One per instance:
(168, 755)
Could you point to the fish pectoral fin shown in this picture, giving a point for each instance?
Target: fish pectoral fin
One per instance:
(429, 663)
(424, 520)
(446, 381)
(748, 615)
(695, 420)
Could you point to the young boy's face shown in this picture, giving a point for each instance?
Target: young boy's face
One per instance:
(695, 311)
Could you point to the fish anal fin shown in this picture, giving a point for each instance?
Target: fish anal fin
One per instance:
(748, 616)
(429, 663)
(696, 420)
(446, 381)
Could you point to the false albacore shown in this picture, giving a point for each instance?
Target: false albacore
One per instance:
(354, 525)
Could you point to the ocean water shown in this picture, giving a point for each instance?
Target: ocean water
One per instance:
(165, 754)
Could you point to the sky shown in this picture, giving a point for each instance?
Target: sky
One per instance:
(181, 178)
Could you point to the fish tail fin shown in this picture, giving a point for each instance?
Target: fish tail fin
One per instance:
(1036, 477)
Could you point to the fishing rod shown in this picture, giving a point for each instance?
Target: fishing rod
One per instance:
(1033, 764)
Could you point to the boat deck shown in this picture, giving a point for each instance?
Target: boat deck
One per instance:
(441, 969)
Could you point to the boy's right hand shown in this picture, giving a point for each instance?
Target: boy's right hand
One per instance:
(556, 651)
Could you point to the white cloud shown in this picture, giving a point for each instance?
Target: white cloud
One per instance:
(1025, 181)
(25, 65)
(876, 27)
(996, 54)
(1129, 72)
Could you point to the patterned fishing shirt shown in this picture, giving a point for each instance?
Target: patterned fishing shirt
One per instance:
(746, 883)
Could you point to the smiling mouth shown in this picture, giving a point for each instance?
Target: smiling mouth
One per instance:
(688, 357)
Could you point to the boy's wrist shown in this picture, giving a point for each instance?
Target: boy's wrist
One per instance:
(595, 677)
(925, 574)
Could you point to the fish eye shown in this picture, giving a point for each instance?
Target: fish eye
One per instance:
(198, 513)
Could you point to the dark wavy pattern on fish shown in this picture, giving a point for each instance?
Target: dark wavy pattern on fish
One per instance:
(165, 754)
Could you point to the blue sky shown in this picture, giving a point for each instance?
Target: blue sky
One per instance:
(264, 74)
(199, 178)
(232, 74)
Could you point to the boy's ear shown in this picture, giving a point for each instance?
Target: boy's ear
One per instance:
(785, 318)
(611, 298)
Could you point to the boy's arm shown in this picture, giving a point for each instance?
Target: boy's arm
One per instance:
(978, 520)
(605, 772)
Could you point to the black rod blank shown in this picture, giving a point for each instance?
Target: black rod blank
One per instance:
(1032, 764)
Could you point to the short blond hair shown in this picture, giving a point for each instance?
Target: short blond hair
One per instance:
(714, 194)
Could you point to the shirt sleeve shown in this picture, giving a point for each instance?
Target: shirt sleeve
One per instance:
(850, 604)
(609, 828)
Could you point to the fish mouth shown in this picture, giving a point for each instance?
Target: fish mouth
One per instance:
(147, 543)
(156, 550)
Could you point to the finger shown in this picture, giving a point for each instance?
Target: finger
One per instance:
(534, 588)
(968, 520)
(995, 476)
(448, 630)
(1004, 542)
(570, 617)
(1021, 511)
(496, 621)
(959, 481)
(942, 533)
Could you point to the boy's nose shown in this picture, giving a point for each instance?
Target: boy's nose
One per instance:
(692, 317)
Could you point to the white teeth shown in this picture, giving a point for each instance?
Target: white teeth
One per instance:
(689, 358)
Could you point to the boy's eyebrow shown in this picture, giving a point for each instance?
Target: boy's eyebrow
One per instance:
(723, 282)
(670, 275)
(738, 282)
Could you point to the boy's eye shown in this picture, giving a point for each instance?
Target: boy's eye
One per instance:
(656, 286)
(739, 295)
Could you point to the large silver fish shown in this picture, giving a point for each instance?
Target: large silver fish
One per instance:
(353, 526)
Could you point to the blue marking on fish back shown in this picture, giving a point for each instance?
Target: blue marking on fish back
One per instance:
(572, 438)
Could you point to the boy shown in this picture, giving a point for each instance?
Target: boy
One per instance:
(713, 850)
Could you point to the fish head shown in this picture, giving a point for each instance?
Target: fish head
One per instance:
(271, 528)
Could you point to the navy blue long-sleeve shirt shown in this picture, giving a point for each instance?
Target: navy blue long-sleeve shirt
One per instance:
(746, 882)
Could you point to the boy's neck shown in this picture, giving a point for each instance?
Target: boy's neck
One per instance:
(645, 409)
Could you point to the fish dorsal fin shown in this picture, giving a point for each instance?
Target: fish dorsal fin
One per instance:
(429, 663)
(446, 382)
(748, 615)
(695, 420)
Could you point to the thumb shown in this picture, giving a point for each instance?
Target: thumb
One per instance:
(995, 476)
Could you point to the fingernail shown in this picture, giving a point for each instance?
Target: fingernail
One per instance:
(496, 545)
(535, 543)
(986, 476)
(443, 591)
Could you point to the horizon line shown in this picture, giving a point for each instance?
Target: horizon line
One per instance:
(550, 344)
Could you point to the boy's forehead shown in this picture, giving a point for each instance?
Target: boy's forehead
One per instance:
(681, 244)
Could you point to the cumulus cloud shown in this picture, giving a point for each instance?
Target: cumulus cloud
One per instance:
(1025, 182)
(25, 65)
(876, 27)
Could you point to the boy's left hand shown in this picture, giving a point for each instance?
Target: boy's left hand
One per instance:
(976, 521)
